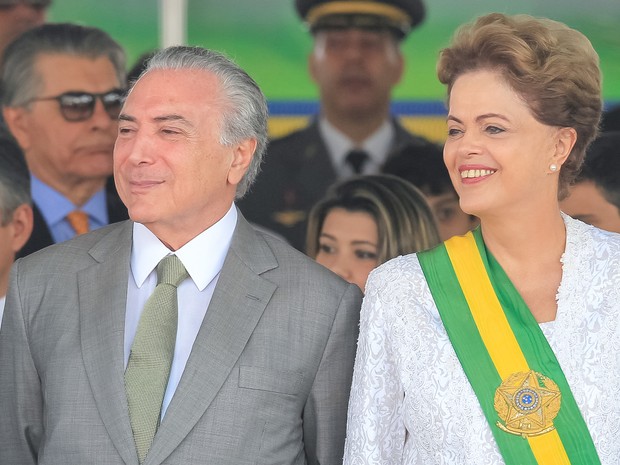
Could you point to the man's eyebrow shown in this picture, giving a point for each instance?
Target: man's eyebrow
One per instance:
(126, 117)
(158, 119)
(172, 117)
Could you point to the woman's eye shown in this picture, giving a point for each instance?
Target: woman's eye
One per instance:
(493, 130)
(326, 248)
(445, 214)
(365, 255)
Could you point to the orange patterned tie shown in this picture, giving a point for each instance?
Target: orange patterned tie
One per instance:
(78, 221)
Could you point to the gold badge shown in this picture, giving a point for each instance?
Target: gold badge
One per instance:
(527, 404)
(289, 218)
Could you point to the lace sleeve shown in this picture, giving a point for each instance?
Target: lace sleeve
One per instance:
(375, 428)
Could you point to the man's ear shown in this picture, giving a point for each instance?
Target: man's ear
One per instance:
(16, 120)
(22, 224)
(400, 70)
(312, 65)
(242, 157)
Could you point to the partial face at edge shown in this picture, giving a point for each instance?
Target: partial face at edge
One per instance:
(586, 202)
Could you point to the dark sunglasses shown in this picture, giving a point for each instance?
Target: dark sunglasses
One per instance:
(79, 106)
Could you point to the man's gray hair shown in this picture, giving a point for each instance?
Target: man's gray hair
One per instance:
(21, 82)
(14, 178)
(245, 115)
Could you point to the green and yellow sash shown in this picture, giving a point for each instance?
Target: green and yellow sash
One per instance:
(507, 359)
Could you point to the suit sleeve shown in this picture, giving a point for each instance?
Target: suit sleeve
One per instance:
(325, 412)
(21, 420)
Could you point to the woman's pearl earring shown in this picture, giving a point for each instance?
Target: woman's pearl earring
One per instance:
(553, 167)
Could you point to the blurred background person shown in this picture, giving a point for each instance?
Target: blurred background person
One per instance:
(499, 347)
(139, 66)
(63, 88)
(355, 62)
(423, 166)
(15, 208)
(17, 16)
(611, 119)
(594, 198)
(367, 220)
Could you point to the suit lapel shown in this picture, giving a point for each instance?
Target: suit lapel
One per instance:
(102, 292)
(240, 298)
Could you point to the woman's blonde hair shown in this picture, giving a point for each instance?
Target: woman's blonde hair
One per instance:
(552, 67)
(404, 220)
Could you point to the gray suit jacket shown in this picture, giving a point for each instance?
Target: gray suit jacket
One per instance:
(267, 381)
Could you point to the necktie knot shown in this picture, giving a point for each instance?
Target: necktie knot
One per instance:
(78, 221)
(356, 159)
(171, 271)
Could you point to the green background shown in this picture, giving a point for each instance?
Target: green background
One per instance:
(270, 42)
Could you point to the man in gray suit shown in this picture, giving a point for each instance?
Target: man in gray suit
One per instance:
(265, 338)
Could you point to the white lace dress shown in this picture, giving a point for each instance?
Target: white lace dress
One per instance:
(411, 402)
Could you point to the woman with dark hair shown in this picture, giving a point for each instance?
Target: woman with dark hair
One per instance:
(500, 346)
(365, 221)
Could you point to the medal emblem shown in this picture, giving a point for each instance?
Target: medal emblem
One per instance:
(289, 218)
(527, 404)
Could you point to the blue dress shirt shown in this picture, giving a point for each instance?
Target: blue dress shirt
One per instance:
(54, 207)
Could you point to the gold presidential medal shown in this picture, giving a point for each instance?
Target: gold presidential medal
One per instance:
(527, 403)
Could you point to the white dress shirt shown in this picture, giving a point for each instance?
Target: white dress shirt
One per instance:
(377, 145)
(203, 258)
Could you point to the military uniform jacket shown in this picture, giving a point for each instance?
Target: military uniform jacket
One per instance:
(295, 175)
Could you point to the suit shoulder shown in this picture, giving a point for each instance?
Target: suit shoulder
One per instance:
(75, 252)
(297, 266)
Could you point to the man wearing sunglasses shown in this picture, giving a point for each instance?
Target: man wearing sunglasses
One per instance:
(63, 88)
(17, 16)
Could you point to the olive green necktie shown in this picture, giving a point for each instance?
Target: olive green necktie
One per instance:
(146, 376)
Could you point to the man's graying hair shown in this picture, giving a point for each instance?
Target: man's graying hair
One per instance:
(20, 81)
(14, 179)
(245, 113)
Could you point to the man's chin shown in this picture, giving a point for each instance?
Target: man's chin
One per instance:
(141, 214)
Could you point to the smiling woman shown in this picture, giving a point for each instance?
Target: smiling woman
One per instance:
(494, 331)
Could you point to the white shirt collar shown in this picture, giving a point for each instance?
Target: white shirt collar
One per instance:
(377, 144)
(203, 256)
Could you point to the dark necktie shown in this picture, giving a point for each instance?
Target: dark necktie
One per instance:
(356, 159)
(146, 376)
